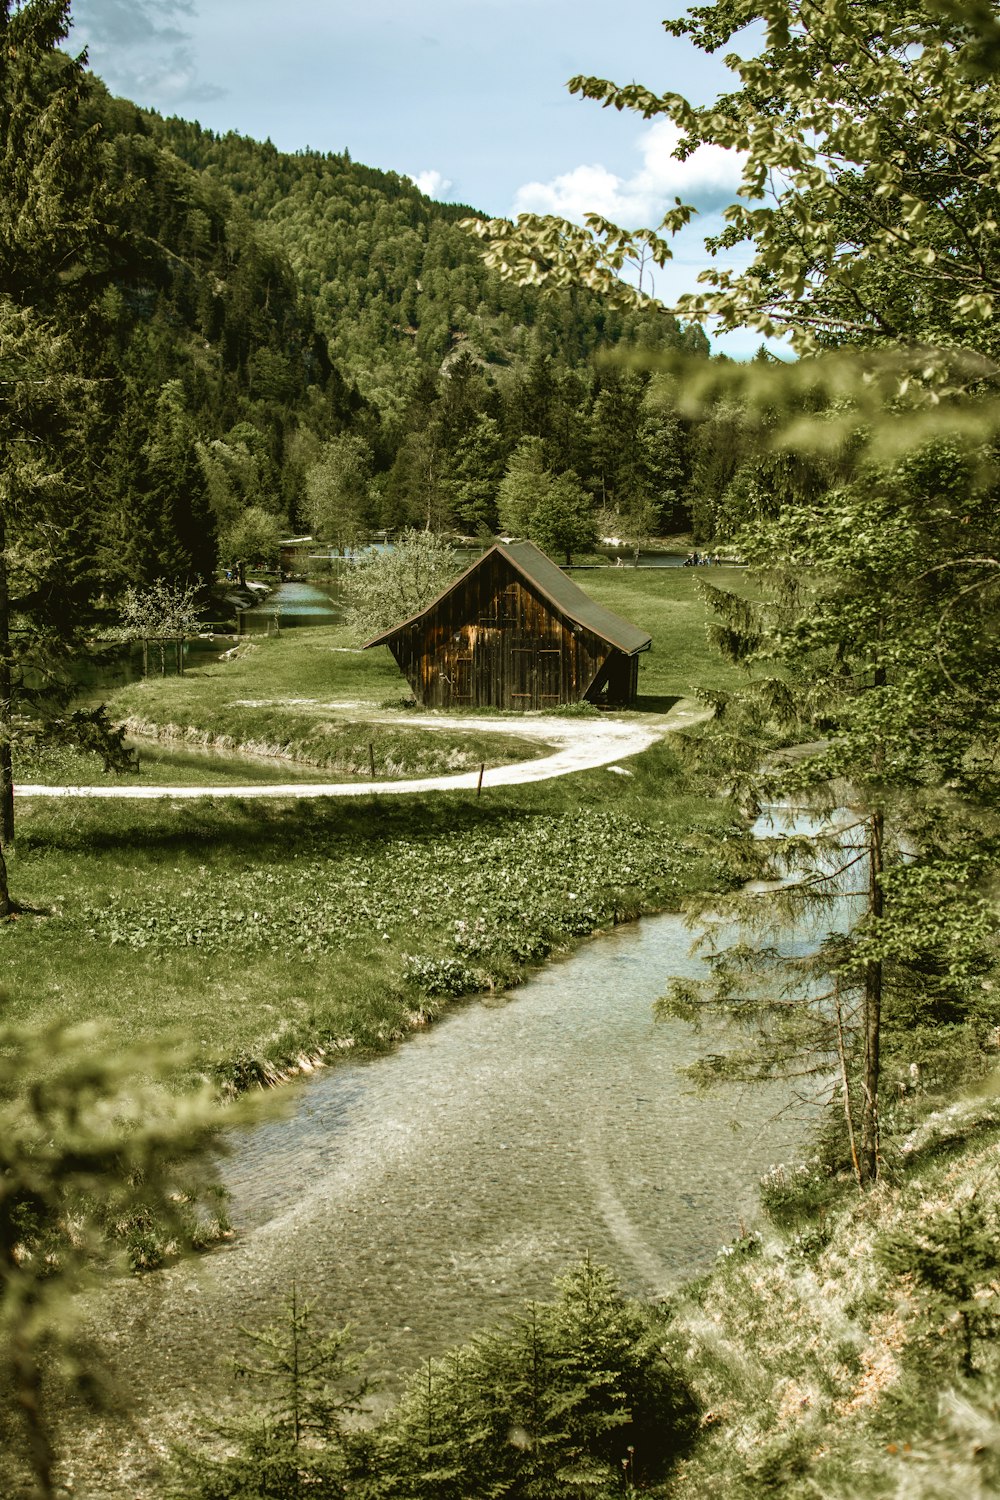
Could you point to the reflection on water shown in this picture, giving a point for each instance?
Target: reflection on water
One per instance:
(174, 763)
(292, 604)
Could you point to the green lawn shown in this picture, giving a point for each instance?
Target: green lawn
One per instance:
(260, 931)
(308, 696)
(668, 602)
(263, 930)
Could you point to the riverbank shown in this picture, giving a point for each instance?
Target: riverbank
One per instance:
(848, 1347)
(265, 932)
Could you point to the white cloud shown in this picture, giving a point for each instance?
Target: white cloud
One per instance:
(708, 179)
(433, 183)
(143, 49)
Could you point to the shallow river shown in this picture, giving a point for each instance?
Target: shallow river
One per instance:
(421, 1195)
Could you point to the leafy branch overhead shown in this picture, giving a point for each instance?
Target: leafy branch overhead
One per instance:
(870, 174)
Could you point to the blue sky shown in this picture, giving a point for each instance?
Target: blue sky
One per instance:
(467, 97)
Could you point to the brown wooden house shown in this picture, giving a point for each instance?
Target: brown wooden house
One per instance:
(513, 631)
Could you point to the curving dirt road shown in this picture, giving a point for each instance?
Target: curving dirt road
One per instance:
(581, 745)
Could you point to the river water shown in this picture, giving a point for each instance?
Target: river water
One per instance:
(429, 1193)
(295, 603)
(422, 1195)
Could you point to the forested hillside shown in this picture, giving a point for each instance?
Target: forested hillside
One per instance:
(456, 366)
(263, 342)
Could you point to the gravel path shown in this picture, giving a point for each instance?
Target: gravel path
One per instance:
(579, 745)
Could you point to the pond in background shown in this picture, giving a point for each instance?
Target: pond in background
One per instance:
(296, 603)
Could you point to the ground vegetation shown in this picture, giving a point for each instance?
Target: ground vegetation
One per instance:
(578, 1396)
(101, 1160)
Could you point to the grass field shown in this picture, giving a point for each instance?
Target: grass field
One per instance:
(311, 696)
(668, 602)
(260, 932)
(308, 697)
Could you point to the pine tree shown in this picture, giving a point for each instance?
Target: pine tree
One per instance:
(567, 1401)
(182, 542)
(292, 1444)
(54, 258)
(852, 634)
(953, 1257)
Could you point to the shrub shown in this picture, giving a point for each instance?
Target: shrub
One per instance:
(576, 1397)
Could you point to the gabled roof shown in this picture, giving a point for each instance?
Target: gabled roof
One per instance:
(554, 585)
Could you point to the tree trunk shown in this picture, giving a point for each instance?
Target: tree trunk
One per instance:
(6, 700)
(872, 1011)
(6, 905)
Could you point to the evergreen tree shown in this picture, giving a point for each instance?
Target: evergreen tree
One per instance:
(52, 244)
(480, 461)
(953, 1258)
(292, 1445)
(576, 1398)
(877, 548)
(181, 541)
(854, 633)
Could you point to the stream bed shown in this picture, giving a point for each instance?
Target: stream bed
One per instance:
(422, 1195)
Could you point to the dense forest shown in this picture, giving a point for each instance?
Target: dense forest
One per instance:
(213, 344)
(301, 342)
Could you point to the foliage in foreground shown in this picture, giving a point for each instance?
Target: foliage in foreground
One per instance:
(94, 1148)
(293, 1442)
(871, 130)
(846, 1350)
(576, 1398)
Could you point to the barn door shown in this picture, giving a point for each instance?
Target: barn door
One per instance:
(548, 675)
(522, 675)
(536, 675)
(461, 678)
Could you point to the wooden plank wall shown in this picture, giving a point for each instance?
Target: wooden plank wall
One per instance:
(495, 643)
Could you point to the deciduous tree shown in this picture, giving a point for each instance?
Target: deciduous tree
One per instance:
(551, 509)
(382, 588)
(869, 200)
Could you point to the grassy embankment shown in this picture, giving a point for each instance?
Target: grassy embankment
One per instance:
(850, 1349)
(264, 932)
(307, 705)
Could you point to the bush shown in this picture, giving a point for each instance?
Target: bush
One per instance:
(577, 1397)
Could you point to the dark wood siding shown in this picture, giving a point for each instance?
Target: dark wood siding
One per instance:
(497, 643)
